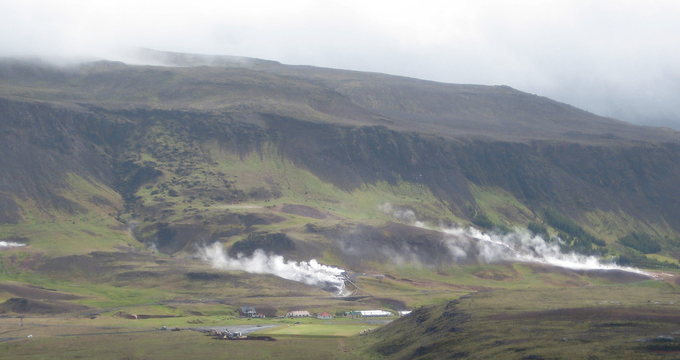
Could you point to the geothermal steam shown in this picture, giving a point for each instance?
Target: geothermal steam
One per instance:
(311, 273)
(519, 246)
(10, 244)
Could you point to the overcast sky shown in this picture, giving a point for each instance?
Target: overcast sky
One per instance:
(615, 58)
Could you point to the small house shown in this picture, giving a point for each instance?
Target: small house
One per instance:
(248, 311)
(324, 316)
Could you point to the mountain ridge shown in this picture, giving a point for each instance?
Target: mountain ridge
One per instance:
(340, 96)
(166, 138)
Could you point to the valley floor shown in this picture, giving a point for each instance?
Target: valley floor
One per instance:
(61, 338)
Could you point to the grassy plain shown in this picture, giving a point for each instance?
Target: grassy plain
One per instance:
(111, 337)
(155, 344)
(514, 310)
(637, 319)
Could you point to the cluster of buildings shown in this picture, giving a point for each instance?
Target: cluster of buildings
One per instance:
(249, 311)
(303, 313)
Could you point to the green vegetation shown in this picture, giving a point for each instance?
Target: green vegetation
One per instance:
(318, 330)
(83, 339)
(645, 262)
(499, 208)
(481, 220)
(184, 294)
(115, 176)
(572, 234)
(641, 242)
(601, 322)
(538, 229)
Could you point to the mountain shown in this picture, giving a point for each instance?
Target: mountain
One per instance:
(205, 148)
(191, 186)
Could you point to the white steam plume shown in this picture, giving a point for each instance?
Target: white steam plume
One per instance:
(400, 214)
(519, 246)
(10, 244)
(310, 273)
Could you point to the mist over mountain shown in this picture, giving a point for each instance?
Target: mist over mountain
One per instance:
(196, 149)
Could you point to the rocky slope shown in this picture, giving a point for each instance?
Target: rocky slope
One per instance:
(223, 148)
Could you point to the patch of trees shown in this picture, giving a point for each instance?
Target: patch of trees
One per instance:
(643, 243)
(575, 237)
(480, 219)
(538, 229)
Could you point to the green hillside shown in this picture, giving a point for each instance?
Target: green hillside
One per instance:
(116, 181)
(602, 322)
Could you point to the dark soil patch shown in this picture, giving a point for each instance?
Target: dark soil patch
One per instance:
(302, 210)
(615, 276)
(616, 324)
(224, 278)
(393, 243)
(277, 243)
(31, 292)
(249, 220)
(29, 306)
(547, 269)
(137, 275)
(91, 265)
(611, 275)
(497, 274)
(202, 276)
(392, 303)
(170, 239)
(663, 348)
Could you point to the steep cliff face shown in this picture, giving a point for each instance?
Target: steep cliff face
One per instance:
(41, 144)
(635, 179)
(623, 180)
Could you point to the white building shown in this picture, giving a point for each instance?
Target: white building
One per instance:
(295, 314)
(375, 313)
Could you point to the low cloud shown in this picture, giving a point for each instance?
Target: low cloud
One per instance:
(613, 58)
